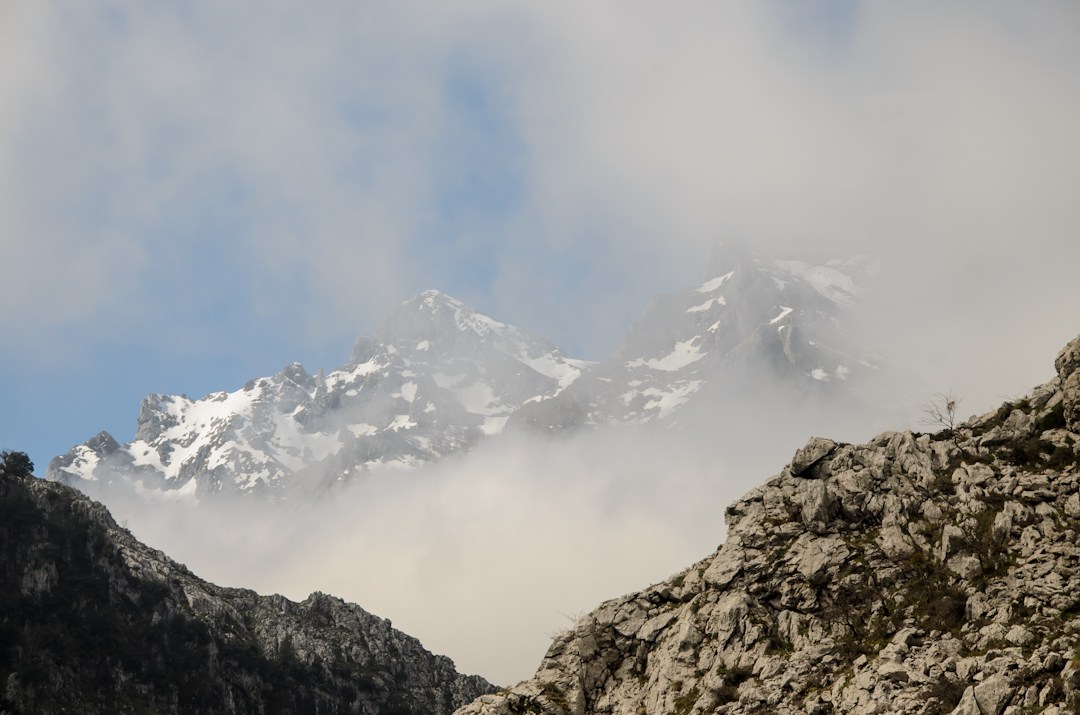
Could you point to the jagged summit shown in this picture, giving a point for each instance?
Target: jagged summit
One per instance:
(435, 312)
(434, 323)
(725, 255)
(750, 321)
(437, 376)
(914, 574)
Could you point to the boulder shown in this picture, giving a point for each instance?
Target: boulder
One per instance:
(807, 456)
(1068, 369)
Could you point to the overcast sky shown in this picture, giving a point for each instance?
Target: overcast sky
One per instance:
(193, 195)
(196, 194)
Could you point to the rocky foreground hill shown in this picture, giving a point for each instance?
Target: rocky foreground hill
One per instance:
(93, 621)
(913, 574)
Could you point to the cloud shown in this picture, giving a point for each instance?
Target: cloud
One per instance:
(484, 556)
(315, 168)
(937, 137)
(266, 156)
(197, 175)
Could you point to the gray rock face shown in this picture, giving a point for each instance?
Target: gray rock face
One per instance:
(1068, 369)
(912, 574)
(95, 622)
(814, 451)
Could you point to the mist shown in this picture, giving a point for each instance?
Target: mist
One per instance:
(485, 556)
(245, 186)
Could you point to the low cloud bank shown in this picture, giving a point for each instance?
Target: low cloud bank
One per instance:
(486, 555)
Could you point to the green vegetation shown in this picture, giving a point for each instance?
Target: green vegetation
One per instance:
(732, 679)
(80, 633)
(871, 610)
(943, 695)
(15, 464)
(685, 702)
(1036, 453)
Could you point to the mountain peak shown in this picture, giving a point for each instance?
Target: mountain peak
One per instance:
(434, 315)
(433, 299)
(725, 256)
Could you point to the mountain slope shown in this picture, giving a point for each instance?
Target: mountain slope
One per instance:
(92, 621)
(437, 376)
(912, 574)
(754, 320)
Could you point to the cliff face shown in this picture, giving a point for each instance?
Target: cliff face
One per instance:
(93, 621)
(912, 574)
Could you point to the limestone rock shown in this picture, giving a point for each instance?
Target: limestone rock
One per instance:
(1071, 401)
(1068, 369)
(814, 451)
(993, 694)
(912, 574)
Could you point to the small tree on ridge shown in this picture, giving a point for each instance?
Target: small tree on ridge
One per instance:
(15, 464)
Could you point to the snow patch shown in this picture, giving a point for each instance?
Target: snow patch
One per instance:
(408, 391)
(494, 424)
(476, 398)
(363, 429)
(685, 352)
(827, 280)
(818, 374)
(563, 371)
(401, 422)
(667, 401)
(701, 307)
(447, 381)
(784, 312)
(715, 283)
(144, 455)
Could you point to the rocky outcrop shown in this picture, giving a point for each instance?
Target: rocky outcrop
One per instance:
(1068, 369)
(93, 621)
(913, 574)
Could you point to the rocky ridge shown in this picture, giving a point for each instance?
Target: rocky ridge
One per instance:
(93, 621)
(915, 573)
(438, 376)
(753, 323)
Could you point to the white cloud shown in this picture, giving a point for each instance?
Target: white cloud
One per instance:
(167, 163)
(484, 557)
(936, 136)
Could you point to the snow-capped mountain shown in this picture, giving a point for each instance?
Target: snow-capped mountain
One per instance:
(750, 319)
(436, 377)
